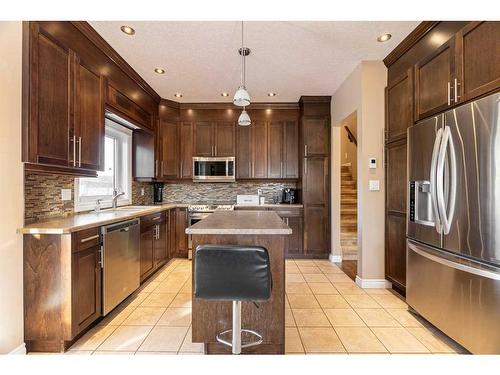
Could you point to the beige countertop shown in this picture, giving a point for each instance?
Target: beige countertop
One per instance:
(241, 222)
(271, 205)
(76, 222)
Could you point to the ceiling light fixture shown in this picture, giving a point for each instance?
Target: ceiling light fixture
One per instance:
(127, 30)
(384, 38)
(224, 94)
(159, 70)
(178, 95)
(271, 94)
(244, 119)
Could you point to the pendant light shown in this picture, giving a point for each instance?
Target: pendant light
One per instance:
(242, 97)
(244, 119)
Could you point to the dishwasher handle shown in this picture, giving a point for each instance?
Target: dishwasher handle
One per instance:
(123, 226)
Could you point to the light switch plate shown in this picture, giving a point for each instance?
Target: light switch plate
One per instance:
(66, 194)
(374, 185)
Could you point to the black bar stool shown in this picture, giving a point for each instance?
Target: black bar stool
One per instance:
(233, 273)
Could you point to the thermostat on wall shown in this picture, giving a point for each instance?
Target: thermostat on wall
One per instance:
(372, 164)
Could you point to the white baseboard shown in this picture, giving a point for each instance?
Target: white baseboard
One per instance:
(21, 349)
(373, 283)
(335, 258)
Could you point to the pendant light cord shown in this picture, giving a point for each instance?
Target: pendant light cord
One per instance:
(242, 58)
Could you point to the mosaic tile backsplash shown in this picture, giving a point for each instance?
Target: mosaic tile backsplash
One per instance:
(205, 192)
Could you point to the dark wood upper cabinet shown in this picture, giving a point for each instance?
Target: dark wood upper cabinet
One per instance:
(396, 186)
(143, 155)
(50, 123)
(291, 150)
(127, 108)
(89, 117)
(434, 77)
(224, 138)
(203, 139)
(399, 104)
(169, 139)
(259, 152)
(275, 149)
(243, 152)
(316, 136)
(186, 150)
(315, 185)
(478, 59)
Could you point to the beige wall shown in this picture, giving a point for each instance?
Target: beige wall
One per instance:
(11, 189)
(348, 149)
(363, 93)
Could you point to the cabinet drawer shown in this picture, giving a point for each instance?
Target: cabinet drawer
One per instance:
(152, 219)
(86, 239)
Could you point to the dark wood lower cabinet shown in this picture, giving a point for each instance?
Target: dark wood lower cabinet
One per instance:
(316, 239)
(395, 249)
(181, 242)
(293, 243)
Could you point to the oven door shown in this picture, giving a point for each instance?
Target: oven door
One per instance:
(213, 169)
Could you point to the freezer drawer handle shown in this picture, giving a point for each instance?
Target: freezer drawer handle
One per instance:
(457, 266)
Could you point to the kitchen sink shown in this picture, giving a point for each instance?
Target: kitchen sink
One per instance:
(133, 208)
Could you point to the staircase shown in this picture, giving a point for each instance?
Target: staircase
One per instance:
(348, 215)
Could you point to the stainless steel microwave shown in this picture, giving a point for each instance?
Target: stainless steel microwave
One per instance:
(215, 169)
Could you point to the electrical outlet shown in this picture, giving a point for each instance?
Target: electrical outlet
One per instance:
(66, 194)
(259, 191)
(142, 192)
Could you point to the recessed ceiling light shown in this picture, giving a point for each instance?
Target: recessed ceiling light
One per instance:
(159, 70)
(271, 94)
(384, 37)
(178, 95)
(224, 94)
(127, 30)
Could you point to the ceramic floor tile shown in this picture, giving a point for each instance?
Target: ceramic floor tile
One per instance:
(125, 338)
(293, 344)
(359, 340)
(302, 301)
(377, 318)
(320, 340)
(405, 317)
(323, 288)
(399, 340)
(435, 341)
(93, 338)
(156, 353)
(164, 339)
(331, 270)
(348, 288)
(295, 278)
(361, 301)
(113, 352)
(316, 278)
(188, 346)
(158, 300)
(344, 318)
(309, 269)
(144, 316)
(182, 300)
(79, 352)
(338, 278)
(310, 318)
(328, 301)
(377, 291)
(389, 301)
(169, 286)
(136, 298)
(289, 320)
(176, 317)
(305, 263)
(117, 316)
(187, 288)
(297, 288)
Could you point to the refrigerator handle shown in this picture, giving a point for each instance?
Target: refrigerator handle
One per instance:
(446, 214)
(435, 152)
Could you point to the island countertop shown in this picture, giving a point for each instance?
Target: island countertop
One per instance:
(241, 222)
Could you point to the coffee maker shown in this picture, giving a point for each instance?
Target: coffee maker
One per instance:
(289, 196)
(158, 193)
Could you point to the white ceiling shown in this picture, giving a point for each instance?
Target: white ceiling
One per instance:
(290, 58)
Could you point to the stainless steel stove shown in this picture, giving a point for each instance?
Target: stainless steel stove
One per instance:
(197, 212)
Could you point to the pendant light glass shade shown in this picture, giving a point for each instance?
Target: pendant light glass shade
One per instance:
(241, 97)
(244, 119)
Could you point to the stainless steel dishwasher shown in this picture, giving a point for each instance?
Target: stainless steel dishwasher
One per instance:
(120, 262)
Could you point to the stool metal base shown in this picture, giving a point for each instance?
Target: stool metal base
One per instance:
(236, 331)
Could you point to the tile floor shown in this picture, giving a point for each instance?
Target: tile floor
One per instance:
(326, 312)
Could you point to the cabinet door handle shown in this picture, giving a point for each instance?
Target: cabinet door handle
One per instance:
(281, 169)
(83, 240)
(156, 167)
(79, 151)
(215, 152)
(449, 93)
(181, 174)
(74, 150)
(305, 150)
(456, 83)
(101, 257)
(156, 218)
(162, 172)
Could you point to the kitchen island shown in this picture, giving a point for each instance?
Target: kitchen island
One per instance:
(259, 228)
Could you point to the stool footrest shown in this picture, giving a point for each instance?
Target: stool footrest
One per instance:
(247, 345)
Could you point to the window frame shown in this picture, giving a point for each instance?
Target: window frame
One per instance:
(123, 135)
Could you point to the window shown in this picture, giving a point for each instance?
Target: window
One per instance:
(117, 174)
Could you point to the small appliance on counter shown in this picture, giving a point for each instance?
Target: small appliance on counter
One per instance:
(289, 196)
(158, 193)
(247, 199)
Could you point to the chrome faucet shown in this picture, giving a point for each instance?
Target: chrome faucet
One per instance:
(116, 195)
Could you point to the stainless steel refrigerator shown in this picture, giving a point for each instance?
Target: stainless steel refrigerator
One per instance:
(453, 228)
